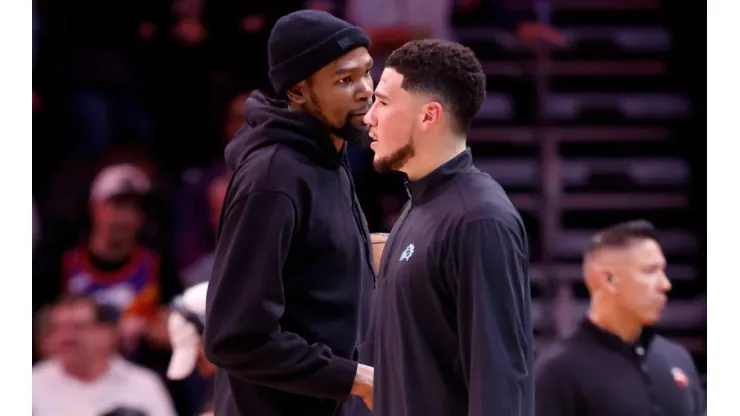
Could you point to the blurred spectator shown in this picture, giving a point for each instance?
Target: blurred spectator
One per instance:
(624, 271)
(84, 375)
(195, 227)
(111, 265)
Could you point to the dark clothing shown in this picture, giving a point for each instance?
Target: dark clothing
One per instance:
(595, 373)
(453, 326)
(293, 273)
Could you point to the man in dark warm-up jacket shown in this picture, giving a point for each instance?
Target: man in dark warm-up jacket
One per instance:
(452, 313)
(293, 275)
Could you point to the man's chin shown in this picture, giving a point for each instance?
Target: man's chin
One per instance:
(351, 132)
(383, 165)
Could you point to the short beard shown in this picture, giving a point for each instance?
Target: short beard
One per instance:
(396, 160)
(348, 131)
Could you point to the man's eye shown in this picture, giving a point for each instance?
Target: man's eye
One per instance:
(346, 80)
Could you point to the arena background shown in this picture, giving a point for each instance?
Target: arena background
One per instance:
(609, 127)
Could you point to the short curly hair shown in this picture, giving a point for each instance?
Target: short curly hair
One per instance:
(446, 70)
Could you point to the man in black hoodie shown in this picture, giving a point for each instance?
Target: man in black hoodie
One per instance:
(292, 281)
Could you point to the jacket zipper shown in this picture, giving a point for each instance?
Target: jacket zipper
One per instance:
(359, 222)
(397, 227)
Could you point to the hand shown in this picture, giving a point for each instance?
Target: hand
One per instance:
(363, 385)
(532, 33)
(378, 242)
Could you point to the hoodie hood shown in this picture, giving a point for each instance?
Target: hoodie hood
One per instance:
(268, 122)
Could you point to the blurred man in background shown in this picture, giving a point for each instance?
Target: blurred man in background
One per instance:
(84, 375)
(615, 364)
(293, 276)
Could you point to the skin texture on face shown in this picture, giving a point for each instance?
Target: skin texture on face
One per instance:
(631, 280)
(399, 122)
(340, 93)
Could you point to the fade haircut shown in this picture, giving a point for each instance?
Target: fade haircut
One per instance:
(622, 235)
(447, 71)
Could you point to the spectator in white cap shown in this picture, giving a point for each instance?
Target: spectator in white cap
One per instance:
(185, 327)
(111, 265)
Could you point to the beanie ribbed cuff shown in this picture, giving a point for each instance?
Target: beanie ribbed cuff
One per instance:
(308, 62)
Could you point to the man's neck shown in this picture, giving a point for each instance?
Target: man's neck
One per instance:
(338, 142)
(88, 372)
(101, 246)
(423, 163)
(610, 321)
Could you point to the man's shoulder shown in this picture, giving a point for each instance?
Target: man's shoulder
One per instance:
(567, 357)
(273, 168)
(558, 354)
(482, 198)
(671, 349)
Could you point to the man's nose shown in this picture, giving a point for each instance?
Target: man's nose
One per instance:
(665, 283)
(370, 116)
(366, 89)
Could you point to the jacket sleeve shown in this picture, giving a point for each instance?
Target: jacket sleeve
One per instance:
(245, 303)
(493, 302)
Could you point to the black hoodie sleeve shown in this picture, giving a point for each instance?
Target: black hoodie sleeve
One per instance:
(246, 301)
(490, 273)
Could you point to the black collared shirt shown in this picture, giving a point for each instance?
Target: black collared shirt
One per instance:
(453, 334)
(594, 372)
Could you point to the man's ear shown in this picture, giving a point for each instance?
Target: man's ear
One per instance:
(431, 114)
(298, 93)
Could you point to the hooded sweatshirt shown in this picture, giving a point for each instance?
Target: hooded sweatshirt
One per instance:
(292, 281)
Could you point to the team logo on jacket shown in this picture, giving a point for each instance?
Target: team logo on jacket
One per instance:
(680, 377)
(406, 255)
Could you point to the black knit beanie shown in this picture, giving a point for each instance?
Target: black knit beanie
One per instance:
(305, 41)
